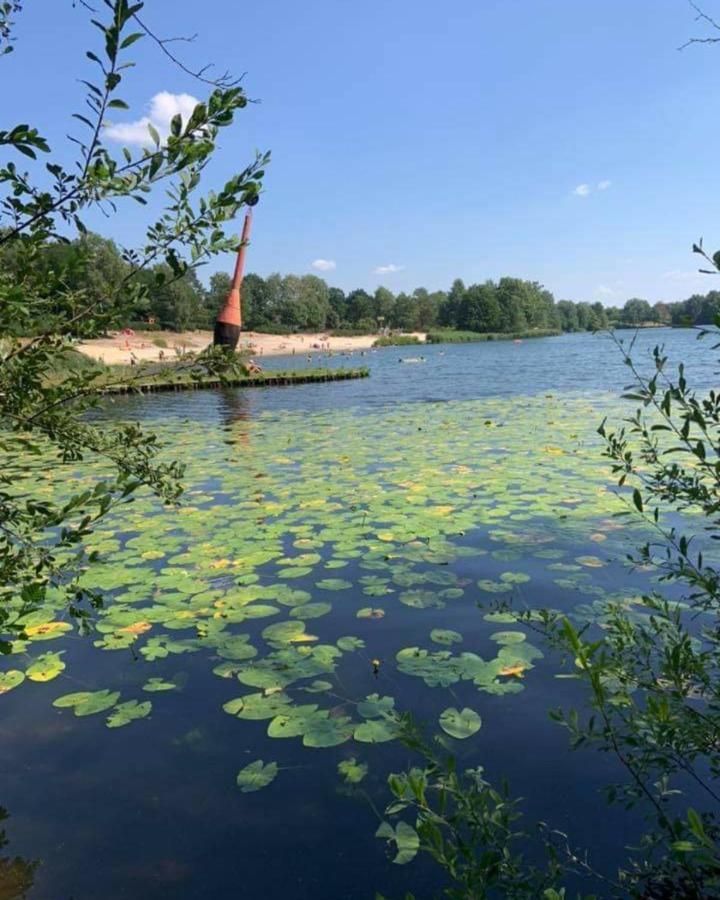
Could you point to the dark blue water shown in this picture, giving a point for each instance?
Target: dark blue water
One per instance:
(151, 811)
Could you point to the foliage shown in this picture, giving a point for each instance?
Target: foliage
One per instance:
(466, 826)
(449, 336)
(52, 287)
(399, 340)
(654, 680)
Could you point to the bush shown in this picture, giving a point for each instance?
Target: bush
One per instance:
(348, 332)
(399, 340)
(463, 337)
(160, 342)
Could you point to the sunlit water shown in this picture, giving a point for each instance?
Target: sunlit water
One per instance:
(427, 492)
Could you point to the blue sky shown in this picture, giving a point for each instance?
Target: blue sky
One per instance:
(439, 140)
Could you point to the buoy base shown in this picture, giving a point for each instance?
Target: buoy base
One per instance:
(226, 335)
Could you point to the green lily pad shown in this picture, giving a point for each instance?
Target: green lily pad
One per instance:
(311, 610)
(352, 771)
(349, 643)
(462, 724)
(88, 703)
(153, 685)
(445, 636)
(374, 705)
(333, 584)
(377, 731)
(256, 775)
(125, 713)
(508, 637)
(46, 667)
(10, 679)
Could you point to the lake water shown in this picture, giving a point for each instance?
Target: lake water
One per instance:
(417, 498)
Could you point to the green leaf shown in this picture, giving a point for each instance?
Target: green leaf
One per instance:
(256, 775)
(352, 771)
(405, 838)
(10, 679)
(333, 584)
(461, 724)
(445, 636)
(377, 731)
(124, 713)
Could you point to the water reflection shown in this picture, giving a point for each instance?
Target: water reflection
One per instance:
(17, 875)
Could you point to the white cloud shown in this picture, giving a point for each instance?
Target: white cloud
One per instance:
(162, 107)
(682, 275)
(604, 185)
(582, 190)
(386, 270)
(604, 291)
(323, 265)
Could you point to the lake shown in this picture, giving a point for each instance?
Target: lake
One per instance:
(339, 551)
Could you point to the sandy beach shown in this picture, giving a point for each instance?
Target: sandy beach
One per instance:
(153, 345)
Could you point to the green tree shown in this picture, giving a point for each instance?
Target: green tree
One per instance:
(636, 312)
(383, 305)
(449, 310)
(42, 402)
(480, 309)
(338, 307)
(404, 313)
(359, 306)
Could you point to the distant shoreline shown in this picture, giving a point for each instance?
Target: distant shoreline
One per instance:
(146, 346)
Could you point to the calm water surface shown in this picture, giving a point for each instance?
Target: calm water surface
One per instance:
(151, 810)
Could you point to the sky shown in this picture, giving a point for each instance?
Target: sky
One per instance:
(565, 142)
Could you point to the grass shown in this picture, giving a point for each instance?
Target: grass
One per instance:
(177, 375)
(399, 340)
(462, 337)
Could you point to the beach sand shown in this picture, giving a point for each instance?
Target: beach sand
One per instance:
(120, 347)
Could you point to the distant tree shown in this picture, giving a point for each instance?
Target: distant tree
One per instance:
(254, 298)
(709, 310)
(567, 312)
(600, 316)
(480, 309)
(177, 303)
(426, 308)
(315, 302)
(338, 307)
(215, 297)
(637, 311)
(359, 306)
(384, 305)
(662, 312)
(510, 296)
(404, 313)
(448, 311)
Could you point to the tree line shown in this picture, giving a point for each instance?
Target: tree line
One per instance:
(93, 265)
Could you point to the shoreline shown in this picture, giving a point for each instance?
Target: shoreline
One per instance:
(147, 346)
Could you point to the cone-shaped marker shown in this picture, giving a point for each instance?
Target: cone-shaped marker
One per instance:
(229, 320)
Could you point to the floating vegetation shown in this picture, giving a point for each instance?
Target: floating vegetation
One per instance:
(352, 771)
(292, 525)
(256, 775)
(460, 724)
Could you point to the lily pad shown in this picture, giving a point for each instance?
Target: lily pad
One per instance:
(460, 724)
(125, 713)
(333, 584)
(352, 771)
(445, 636)
(256, 775)
(10, 679)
